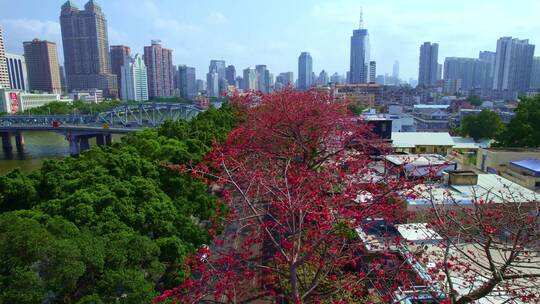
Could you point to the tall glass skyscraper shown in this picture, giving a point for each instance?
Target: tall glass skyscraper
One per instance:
(305, 71)
(359, 71)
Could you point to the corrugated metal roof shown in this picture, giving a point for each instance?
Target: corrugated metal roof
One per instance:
(529, 164)
(412, 139)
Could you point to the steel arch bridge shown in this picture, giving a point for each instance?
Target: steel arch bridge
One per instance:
(132, 116)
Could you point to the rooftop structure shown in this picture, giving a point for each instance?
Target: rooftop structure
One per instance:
(416, 165)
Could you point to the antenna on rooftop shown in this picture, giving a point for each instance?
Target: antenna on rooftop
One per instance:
(361, 18)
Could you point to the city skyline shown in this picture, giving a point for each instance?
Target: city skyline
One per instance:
(325, 29)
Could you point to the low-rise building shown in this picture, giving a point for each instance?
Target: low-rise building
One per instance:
(422, 142)
(524, 172)
(91, 95)
(13, 101)
(496, 160)
(431, 118)
(365, 95)
(407, 166)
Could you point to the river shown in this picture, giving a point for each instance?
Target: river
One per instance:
(38, 146)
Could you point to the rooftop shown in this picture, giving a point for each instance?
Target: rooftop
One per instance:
(413, 139)
(428, 106)
(416, 159)
(528, 164)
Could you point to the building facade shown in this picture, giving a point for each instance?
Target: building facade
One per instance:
(86, 49)
(395, 70)
(428, 69)
(263, 78)
(360, 54)
(372, 71)
(134, 77)
(473, 73)
(18, 77)
(219, 67)
(250, 79)
(119, 54)
(535, 74)
(305, 71)
(212, 84)
(230, 75)
(158, 61)
(14, 101)
(4, 77)
(513, 63)
(42, 65)
(187, 82)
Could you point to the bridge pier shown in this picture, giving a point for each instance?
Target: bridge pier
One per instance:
(19, 142)
(84, 144)
(100, 140)
(108, 139)
(74, 148)
(6, 142)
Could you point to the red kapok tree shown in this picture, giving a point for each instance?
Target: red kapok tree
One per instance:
(298, 178)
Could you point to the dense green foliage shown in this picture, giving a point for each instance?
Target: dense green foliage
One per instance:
(487, 124)
(111, 226)
(76, 107)
(475, 100)
(524, 129)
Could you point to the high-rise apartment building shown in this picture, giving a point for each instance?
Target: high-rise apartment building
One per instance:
(42, 65)
(473, 73)
(513, 63)
(429, 65)
(86, 48)
(18, 77)
(187, 82)
(372, 71)
(535, 74)
(4, 77)
(119, 54)
(360, 54)
(305, 71)
(134, 77)
(158, 61)
(230, 75)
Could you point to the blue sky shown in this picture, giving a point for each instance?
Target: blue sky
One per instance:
(250, 32)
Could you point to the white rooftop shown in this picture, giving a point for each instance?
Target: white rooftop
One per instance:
(416, 159)
(428, 106)
(417, 232)
(413, 139)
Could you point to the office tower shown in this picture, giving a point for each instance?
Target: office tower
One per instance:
(86, 48)
(270, 78)
(4, 77)
(200, 85)
(18, 77)
(337, 79)
(230, 75)
(429, 66)
(395, 70)
(360, 49)
(513, 62)
(323, 78)
(372, 71)
(219, 67)
(63, 81)
(186, 82)
(42, 65)
(305, 71)
(119, 54)
(439, 71)
(239, 82)
(158, 61)
(134, 77)
(250, 80)
(535, 74)
(263, 81)
(284, 80)
(212, 84)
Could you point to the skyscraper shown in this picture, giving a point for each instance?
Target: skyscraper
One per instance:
(473, 73)
(187, 82)
(337, 79)
(158, 61)
(250, 79)
(428, 70)
(305, 71)
(219, 67)
(395, 70)
(4, 78)
(535, 74)
(263, 81)
(323, 78)
(119, 54)
(372, 71)
(230, 75)
(42, 64)
(360, 50)
(513, 62)
(18, 77)
(284, 80)
(86, 48)
(212, 84)
(134, 77)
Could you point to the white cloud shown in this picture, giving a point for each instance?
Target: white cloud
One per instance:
(16, 31)
(217, 18)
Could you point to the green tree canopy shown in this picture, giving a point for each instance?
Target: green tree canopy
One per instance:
(487, 124)
(524, 129)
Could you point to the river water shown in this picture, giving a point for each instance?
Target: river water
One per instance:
(38, 146)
